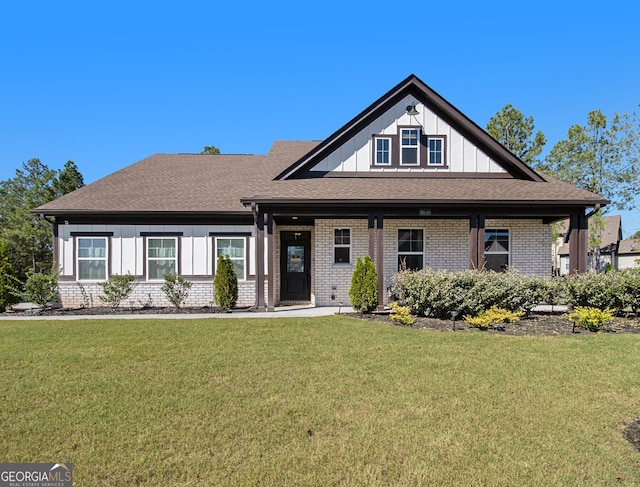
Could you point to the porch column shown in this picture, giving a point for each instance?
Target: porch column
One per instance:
(260, 304)
(578, 230)
(380, 260)
(476, 242)
(271, 299)
(372, 236)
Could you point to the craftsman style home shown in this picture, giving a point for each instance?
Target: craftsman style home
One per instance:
(410, 181)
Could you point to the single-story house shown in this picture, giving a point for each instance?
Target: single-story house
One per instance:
(410, 181)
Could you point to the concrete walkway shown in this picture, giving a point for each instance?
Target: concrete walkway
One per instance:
(280, 312)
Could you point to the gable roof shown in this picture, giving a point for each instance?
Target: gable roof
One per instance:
(227, 185)
(415, 87)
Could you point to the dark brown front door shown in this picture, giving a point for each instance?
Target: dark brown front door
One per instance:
(295, 266)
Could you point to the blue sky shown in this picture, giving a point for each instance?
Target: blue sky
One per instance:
(106, 84)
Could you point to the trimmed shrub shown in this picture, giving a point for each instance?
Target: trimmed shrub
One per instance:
(401, 314)
(438, 293)
(493, 316)
(589, 318)
(117, 289)
(225, 283)
(615, 290)
(364, 286)
(176, 289)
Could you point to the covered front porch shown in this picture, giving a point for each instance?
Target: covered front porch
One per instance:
(306, 253)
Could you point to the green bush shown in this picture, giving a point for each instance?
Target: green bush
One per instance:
(39, 288)
(438, 293)
(225, 283)
(589, 318)
(615, 290)
(493, 316)
(364, 286)
(117, 289)
(176, 289)
(401, 314)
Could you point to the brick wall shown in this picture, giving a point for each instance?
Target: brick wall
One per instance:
(73, 295)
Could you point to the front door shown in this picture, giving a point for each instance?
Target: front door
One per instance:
(295, 266)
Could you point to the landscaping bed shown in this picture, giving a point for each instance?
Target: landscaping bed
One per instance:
(535, 324)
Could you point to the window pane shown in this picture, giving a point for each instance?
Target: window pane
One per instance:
(92, 270)
(92, 247)
(410, 137)
(341, 255)
(409, 155)
(295, 258)
(410, 241)
(410, 262)
(233, 247)
(161, 248)
(496, 241)
(159, 268)
(239, 267)
(342, 236)
(496, 262)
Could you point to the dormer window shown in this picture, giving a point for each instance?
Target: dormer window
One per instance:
(409, 147)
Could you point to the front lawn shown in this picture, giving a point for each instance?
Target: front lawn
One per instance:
(323, 401)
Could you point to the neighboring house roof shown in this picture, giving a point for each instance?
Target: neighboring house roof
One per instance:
(629, 246)
(610, 238)
(229, 184)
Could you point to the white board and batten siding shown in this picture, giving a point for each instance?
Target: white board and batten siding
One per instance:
(197, 251)
(356, 154)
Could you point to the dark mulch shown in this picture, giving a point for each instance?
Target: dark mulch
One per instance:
(147, 310)
(534, 324)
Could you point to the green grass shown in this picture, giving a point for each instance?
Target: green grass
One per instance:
(323, 401)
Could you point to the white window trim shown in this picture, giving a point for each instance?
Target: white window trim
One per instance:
(508, 253)
(417, 147)
(105, 259)
(429, 163)
(147, 258)
(244, 258)
(375, 150)
(398, 253)
(342, 246)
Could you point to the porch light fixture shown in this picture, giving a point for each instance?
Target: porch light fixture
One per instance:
(411, 110)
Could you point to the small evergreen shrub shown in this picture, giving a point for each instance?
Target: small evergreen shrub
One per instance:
(225, 283)
(401, 314)
(117, 289)
(176, 289)
(493, 316)
(589, 318)
(364, 286)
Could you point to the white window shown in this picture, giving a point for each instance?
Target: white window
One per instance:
(496, 249)
(383, 151)
(409, 147)
(341, 245)
(162, 257)
(235, 248)
(91, 263)
(410, 249)
(436, 151)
